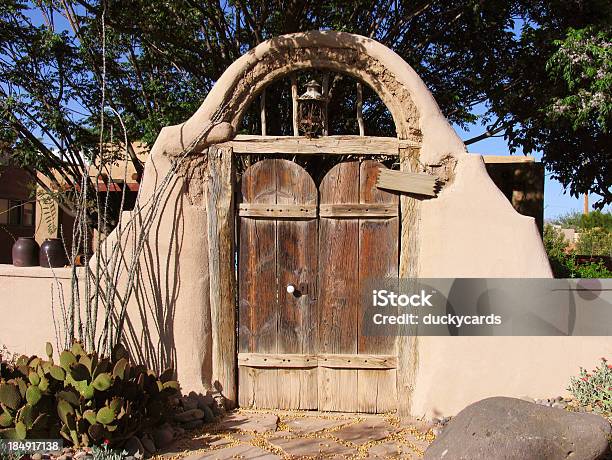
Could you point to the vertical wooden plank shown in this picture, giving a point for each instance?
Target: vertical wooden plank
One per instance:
(297, 265)
(360, 109)
(378, 259)
(258, 307)
(220, 232)
(262, 112)
(325, 92)
(338, 288)
(294, 105)
(407, 341)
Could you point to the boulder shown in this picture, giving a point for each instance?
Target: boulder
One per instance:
(163, 436)
(148, 445)
(189, 403)
(507, 428)
(189, 416)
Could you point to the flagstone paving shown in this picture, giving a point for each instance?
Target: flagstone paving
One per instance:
(267, 435)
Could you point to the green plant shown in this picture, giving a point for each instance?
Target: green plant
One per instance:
(105, 453)
(26, 399)
(47, 200)
(580, 221)
(595, 241)
(108, 398)
(86, 398)
(556, 248)
(590, 270)
(563, 261)
(594, 389)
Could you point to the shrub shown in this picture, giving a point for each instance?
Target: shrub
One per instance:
(556, 249)
(104, 453)
(595, 242)
(563, 262)
(86, 398)
(589, 270)
(595, 388)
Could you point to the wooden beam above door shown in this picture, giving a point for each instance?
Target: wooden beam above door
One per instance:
(329, 145)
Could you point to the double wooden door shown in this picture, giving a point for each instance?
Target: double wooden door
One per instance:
(305, 255)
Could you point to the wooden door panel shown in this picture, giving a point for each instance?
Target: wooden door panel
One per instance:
(258, 308)
(378, 258)
(354, 247)
(338, 287)
(297, 265)
(275, 252)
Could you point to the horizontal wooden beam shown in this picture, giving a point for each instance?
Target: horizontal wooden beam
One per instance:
(358, 361)
(358, 210)
(294, 360)
(325, 145)
(278, 211)
(276, 360)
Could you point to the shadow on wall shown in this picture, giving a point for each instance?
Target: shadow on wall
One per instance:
(150, 338)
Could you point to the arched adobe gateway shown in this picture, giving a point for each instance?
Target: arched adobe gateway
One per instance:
(183, 310)
(415, 112)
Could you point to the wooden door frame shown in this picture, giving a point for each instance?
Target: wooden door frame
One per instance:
(222, 250)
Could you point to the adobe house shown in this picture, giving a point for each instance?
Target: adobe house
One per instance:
(290, 252)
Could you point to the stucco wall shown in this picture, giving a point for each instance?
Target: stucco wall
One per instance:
(456, 371)
(27, 295)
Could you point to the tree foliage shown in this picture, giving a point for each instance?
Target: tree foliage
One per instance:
(563, 260)
(580, 221)
(66, 63)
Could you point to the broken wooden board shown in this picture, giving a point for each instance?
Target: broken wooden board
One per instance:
(407, 182)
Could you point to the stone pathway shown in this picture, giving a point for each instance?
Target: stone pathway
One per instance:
(268, 435)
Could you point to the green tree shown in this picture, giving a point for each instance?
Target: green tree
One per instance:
(578, 221)
(597, 219)
(70, 68)
(595, 242)
(563, 260)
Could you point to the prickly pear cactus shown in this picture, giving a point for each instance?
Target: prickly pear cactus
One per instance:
(86, 398)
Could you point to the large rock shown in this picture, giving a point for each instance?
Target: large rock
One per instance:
(508, 428)
(189, 416)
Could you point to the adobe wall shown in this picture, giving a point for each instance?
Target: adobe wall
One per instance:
(27, 298)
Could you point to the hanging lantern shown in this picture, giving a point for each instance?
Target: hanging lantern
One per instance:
(312, 105)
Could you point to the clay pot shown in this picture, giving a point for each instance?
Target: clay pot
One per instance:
(25, 252)
(52, 253)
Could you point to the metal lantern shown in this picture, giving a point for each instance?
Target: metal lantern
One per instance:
(312, 109)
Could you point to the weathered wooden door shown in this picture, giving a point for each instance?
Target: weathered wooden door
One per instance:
(278, 247)
(306, 350)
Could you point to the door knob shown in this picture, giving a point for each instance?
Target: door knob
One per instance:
(291, 288)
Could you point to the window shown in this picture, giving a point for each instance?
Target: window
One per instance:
(16, 212)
